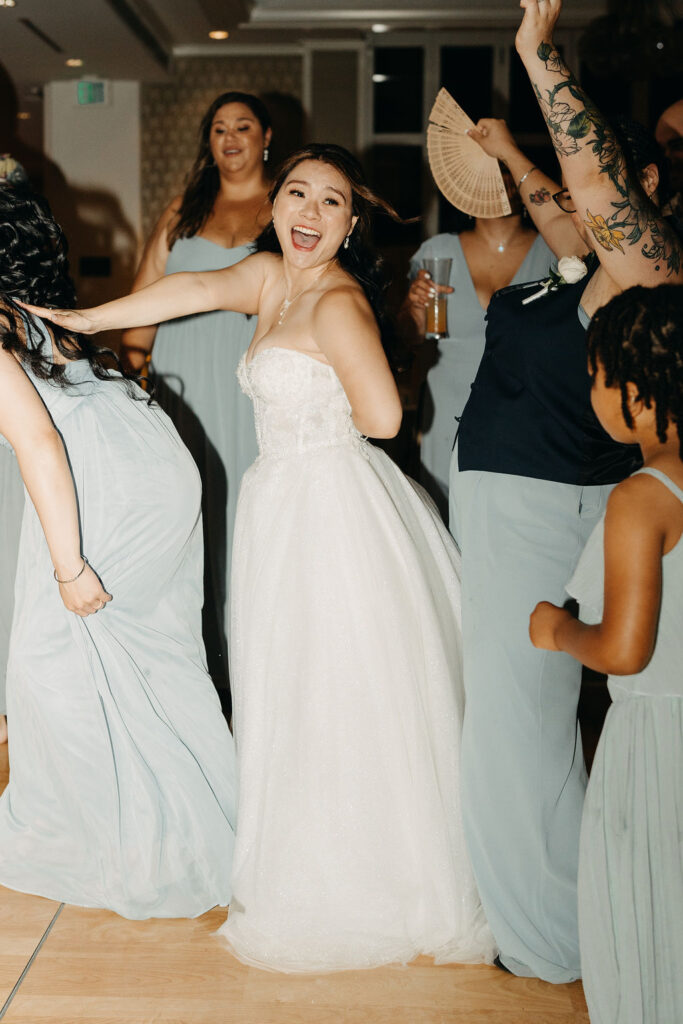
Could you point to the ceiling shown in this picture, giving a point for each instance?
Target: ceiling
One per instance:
(136, 39)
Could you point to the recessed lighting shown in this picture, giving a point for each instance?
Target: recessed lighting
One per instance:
(74, 62)
(219, 34)
(23, 115)
(377, 79)
(380, 28)
(8, 3)
(660, 46)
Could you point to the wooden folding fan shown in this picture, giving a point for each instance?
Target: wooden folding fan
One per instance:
(465, 174)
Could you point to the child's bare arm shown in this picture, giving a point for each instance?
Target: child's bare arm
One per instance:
(622, 644)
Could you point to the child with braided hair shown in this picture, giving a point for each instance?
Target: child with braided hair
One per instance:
(629, 585)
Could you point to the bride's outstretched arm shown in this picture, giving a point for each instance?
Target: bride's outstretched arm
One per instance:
(237, 288)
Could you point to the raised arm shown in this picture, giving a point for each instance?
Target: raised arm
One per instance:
(535, 188)
(237, 288)
(635, 245)
(45, 471)
(347, 334)
(137, 343)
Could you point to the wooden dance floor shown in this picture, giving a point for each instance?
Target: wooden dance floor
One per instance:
(66, 965)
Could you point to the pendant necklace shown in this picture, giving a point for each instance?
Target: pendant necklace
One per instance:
(289, 302)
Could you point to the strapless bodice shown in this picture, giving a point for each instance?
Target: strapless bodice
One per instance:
(299, 403)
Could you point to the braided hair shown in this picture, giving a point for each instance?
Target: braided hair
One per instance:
(638, 338)
(34, 267)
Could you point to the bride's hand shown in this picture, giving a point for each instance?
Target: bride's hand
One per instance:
(84, 595)
(76, 320)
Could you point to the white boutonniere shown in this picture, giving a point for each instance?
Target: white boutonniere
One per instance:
(570, 269)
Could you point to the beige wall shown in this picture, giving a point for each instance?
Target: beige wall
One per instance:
(170, 115)
(92, 180)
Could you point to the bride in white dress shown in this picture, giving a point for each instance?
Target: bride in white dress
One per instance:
(345, 636)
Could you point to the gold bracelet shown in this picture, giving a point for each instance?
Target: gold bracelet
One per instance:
(525, 176)
(73, 578)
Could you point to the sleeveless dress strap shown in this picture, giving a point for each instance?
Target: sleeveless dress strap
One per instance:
(663, 478)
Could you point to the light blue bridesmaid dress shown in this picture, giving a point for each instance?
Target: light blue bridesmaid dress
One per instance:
(122, 776)
(11, 511)
(195, 361)
(631, 856)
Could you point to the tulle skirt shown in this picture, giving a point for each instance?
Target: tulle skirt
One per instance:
(348, 702)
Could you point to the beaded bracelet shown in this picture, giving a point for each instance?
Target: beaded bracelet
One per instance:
(525, 176)
(73, 578)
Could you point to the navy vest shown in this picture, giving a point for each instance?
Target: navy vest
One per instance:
(529, 413)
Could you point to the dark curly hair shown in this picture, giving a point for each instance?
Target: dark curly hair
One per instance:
(360, 258)
(203, 181)
(34, 268)
(638, 337)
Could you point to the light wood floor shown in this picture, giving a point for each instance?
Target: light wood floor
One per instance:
(92, 967)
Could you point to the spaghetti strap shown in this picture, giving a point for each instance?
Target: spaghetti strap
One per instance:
(663, 478)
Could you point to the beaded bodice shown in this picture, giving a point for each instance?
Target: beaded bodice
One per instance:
(299, 403)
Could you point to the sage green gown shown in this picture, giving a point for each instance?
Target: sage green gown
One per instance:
(194, 363)
(11, 511)
(631, 855)
(122, 773)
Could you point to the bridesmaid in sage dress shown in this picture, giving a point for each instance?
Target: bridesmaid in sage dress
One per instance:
(122, 778)
(223, 208)
(629, 585)
(11, 510)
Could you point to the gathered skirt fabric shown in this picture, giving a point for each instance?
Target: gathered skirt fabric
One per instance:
(348, 701)
(122, 778)
(11, 511)
(631, 866)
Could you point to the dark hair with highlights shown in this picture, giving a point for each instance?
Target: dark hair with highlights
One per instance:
(203, 181)
(360, 258)
(34, 268)
(638, 338)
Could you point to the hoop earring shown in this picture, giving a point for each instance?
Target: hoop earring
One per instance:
(265, 155)
(346, 241)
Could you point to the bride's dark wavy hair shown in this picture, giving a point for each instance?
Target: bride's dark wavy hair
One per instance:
(360, 259)
(34, 267)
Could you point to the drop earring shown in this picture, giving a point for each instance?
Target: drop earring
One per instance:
(265, 155)
(346, 241)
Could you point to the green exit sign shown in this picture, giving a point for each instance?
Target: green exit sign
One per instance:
(91, 92)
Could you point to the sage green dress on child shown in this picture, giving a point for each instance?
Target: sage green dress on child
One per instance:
(631, 858)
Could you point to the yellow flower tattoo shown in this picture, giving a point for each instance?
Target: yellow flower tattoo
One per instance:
(609, 238)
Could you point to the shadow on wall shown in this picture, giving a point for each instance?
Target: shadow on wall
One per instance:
(103, 247)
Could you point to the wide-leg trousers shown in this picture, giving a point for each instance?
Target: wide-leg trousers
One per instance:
(523, 773)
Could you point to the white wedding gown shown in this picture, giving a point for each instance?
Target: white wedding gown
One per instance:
(348, 696)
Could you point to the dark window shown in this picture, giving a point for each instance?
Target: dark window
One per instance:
(467, 73)
(397, 89)
(396, 172)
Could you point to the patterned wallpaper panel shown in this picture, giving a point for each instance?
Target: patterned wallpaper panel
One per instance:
(171, 112)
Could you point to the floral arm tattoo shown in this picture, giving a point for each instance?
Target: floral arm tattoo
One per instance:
(576, 124)
(540, 196)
